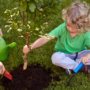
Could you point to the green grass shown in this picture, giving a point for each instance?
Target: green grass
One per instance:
(42, 55)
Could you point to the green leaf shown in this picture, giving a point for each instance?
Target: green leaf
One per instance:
(23, 6)
(36, 1)
(32, 7)
(28, 0)
(39, 4)
(41, 0)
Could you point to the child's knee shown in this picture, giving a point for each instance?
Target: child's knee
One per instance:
(57, 57)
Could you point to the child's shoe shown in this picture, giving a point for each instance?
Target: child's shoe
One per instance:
(68, 71)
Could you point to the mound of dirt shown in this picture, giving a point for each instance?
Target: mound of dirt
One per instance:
(33, 78)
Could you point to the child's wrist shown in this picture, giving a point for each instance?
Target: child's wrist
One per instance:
(31, 47)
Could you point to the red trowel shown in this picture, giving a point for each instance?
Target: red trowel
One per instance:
(8, 75)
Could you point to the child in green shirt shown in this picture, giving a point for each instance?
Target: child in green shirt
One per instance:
(73, 37)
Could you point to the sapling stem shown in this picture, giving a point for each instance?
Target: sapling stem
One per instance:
(25, 55)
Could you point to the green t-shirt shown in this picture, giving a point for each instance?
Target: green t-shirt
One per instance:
(67, 44)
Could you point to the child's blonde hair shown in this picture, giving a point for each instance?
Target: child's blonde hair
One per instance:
(79, 15)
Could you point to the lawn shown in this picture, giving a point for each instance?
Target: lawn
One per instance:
(41, 55)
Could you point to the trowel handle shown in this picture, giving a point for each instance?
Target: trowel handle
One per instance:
(78, 67)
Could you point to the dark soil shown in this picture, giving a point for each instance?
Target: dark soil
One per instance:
(33, 78)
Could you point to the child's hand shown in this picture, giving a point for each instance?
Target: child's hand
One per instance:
(84, 59)
(1, 32)
(26, 49)
(2, 68)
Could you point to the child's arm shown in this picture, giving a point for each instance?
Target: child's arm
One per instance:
(85, 58)
(1, 32)
(2, 68)
(39, 42)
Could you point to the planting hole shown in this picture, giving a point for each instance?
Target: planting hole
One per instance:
(33, 78)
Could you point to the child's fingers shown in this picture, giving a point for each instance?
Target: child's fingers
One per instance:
(84, 60)
(79, 61)
(2, 69)
(26, 49)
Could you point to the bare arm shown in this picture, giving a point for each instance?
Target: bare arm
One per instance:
(39, 42)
